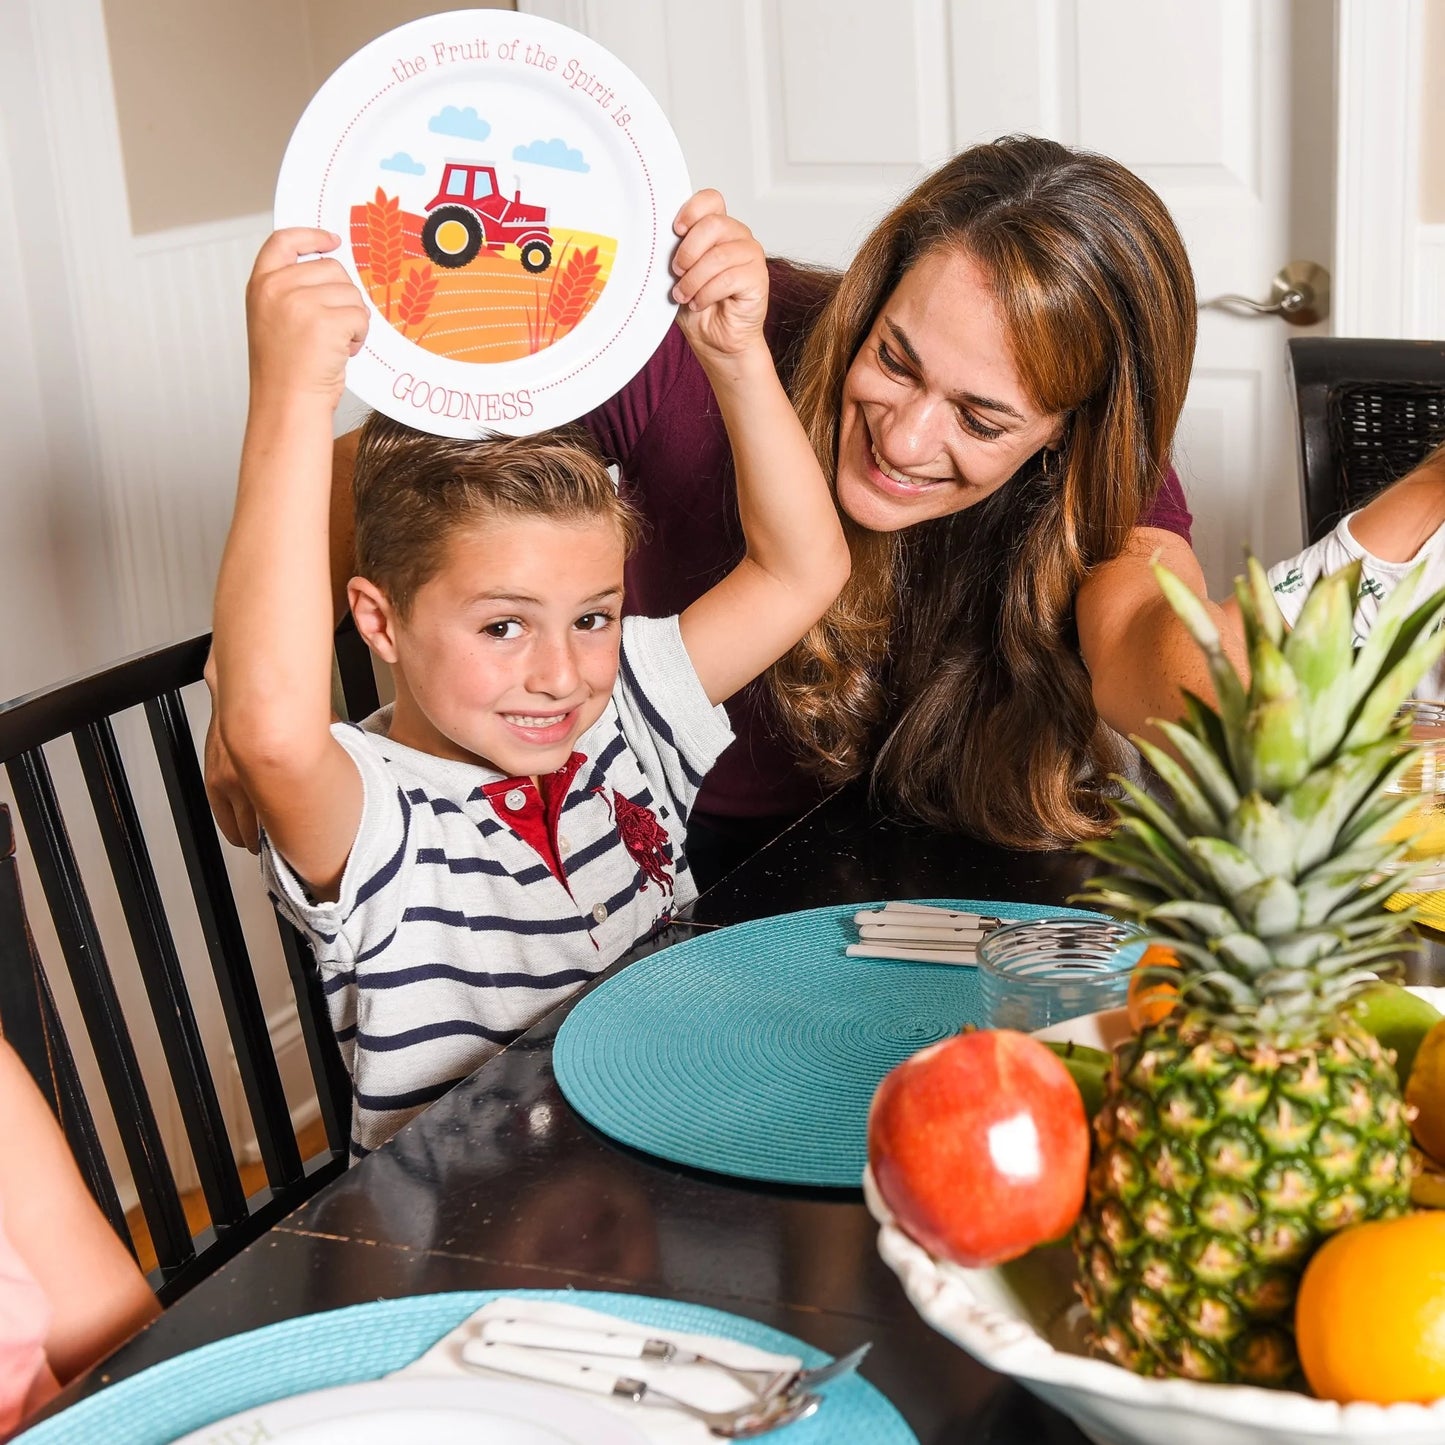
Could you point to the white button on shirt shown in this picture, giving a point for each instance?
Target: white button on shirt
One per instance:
(599, 912)
(515, 799)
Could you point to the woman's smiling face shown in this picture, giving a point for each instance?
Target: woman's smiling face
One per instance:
(934, 415)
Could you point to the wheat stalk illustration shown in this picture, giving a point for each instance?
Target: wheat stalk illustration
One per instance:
(384, 243)
(572, 291)
(416, 296)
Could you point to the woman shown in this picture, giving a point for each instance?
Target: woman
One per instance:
(993, 387)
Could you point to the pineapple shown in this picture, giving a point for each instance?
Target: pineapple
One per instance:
(1258, 1117)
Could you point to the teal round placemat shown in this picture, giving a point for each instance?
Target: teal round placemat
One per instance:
(345, 1347)
(755, 1050)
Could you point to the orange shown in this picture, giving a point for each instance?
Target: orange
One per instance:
(1425, 1093)
(1152, 1000)
(1370, 1317)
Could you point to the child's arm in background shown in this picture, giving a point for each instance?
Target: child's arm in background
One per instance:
(1396, 524)
(273, 622)
(797, 558)
(1393, 527)
(98, 1297)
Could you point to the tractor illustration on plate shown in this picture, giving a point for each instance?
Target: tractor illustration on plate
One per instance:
(469, 212)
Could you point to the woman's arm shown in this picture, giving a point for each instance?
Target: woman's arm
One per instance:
(797, 558)
(97, 1295)
(273, 604)
(1137, 651)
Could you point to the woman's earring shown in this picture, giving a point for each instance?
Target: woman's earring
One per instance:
(1052, 463)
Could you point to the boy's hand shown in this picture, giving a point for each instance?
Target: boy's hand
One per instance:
(304, 320)
(722, 283)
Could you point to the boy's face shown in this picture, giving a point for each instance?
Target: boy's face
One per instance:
(509, 652)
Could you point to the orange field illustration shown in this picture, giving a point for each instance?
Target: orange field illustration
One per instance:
(504, 303)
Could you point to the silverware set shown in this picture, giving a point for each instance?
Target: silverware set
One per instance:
(921, 933)
(527, 1349)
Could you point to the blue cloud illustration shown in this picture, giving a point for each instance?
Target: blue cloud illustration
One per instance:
(465, 123)
(552, 152)
(403, 163)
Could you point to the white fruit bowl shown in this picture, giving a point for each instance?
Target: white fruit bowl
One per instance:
(1022, 1319)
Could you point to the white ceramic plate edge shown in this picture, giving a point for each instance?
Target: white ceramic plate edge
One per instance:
(339, 1404)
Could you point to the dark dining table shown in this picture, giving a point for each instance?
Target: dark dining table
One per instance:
(501, 1185)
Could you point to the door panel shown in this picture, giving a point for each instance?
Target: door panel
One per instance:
(813, 116)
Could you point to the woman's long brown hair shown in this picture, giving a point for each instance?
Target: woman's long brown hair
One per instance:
(951, 661)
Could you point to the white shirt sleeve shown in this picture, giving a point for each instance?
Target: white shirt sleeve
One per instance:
(676, 733)
(1293, 578)
(370, 897)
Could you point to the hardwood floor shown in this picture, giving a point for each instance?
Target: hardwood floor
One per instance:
(311, 1140)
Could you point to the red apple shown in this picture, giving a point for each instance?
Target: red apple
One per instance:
(980, 1146)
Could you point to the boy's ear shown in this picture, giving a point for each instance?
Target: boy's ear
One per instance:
(374, 617)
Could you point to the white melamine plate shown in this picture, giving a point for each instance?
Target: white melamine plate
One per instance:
(434, 1411)
(505, 191)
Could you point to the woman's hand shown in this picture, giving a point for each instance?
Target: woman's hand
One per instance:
(305, 320)
(722, 284)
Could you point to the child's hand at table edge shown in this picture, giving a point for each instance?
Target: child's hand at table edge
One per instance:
(722, 285)
(305, 319)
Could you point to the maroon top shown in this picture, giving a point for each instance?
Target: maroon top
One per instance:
(665, 433)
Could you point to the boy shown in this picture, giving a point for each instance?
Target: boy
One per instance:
(514, 823)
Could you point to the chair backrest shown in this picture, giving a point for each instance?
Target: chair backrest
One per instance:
(83, 709)
(1368, 411)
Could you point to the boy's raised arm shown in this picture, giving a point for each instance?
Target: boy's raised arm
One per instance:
(797, 557)
(273, 623)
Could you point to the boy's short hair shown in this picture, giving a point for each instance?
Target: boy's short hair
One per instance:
(412, 491)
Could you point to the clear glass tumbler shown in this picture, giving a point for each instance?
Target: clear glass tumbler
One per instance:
(1424, 830)
(1037, 974)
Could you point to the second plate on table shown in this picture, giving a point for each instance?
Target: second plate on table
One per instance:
(754, 1051)
(323, 1366)
(439, 1412)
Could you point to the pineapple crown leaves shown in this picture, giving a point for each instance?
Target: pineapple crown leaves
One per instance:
(1262, 871)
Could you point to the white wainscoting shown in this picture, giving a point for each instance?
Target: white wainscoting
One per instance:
(129, 457)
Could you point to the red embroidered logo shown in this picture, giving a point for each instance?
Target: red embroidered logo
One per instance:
(644, 838)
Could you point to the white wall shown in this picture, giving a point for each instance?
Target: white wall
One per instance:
(1428, 320)
(1390, 199)
(122, 396)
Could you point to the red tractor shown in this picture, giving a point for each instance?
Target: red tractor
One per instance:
(469, 212)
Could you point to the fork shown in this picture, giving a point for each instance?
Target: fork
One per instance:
(743, 1423)
(581, 1340)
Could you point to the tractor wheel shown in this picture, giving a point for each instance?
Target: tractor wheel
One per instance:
(536, 256)
(451, 236)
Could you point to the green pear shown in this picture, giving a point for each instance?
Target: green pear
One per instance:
(1398, 1018)
(1089, 1069)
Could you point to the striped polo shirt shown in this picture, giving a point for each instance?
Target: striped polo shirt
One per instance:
(472, 903)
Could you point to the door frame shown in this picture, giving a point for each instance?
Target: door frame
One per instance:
(1377, 261)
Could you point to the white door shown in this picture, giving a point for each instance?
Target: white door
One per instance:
(812, 116)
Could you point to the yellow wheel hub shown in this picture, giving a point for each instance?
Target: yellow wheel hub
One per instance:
(452, 237)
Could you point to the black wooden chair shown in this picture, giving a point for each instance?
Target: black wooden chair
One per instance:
(83, 709)
(1368, 411)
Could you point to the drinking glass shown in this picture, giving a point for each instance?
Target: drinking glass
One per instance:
(1424, 830)
(1037, 974)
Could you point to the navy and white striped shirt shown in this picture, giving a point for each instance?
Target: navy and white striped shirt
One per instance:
(453, 934)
